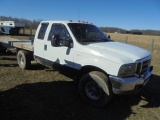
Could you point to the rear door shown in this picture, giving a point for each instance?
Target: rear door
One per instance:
(39, 40)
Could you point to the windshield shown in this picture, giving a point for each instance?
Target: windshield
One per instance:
(87, 33)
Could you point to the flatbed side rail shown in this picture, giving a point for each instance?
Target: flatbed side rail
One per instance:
(15, 43)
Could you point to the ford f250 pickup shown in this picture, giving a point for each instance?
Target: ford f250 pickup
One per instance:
(104, 67)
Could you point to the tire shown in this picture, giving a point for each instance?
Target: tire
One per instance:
(95, 88)
(23, 59)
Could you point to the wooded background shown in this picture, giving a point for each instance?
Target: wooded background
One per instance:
(33, 24)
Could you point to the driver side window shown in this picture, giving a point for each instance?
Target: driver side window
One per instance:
(59, 29)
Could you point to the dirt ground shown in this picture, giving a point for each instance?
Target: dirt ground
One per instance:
(44, 94)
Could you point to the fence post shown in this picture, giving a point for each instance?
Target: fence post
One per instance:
(127, 39)
(152, 47)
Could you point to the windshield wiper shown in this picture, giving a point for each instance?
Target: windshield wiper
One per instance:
(94, 40)
(88, 40)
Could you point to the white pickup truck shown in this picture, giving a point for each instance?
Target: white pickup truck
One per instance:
(104, 67)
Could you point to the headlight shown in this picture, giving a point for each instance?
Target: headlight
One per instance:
(127, 70)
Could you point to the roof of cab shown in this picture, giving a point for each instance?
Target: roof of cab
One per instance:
(63, 21)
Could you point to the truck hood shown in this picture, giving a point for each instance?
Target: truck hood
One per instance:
(118, 52)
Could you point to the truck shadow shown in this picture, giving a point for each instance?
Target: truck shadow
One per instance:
(60, 100)
(151, 92)
(36, 66)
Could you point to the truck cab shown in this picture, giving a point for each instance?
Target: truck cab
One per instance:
(104, 67)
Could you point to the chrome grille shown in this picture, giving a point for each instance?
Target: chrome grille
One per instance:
(143, 66)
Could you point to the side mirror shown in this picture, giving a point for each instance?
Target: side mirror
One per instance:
(67, 43)
(55, 41)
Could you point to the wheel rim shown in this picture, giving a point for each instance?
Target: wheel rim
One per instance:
(93, 90)
(21, 60)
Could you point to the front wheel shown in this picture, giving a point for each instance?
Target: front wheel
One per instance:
(23, 59)
(95, 89)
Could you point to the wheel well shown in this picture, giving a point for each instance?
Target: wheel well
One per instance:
(87, 69)
(30, 54)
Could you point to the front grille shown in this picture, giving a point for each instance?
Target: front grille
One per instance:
(143, 66)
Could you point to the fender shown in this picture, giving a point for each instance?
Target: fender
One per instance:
(88, 60)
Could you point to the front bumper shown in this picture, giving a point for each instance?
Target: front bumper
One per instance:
(129, 85)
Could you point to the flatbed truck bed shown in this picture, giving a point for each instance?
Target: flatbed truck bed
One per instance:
(12, 43)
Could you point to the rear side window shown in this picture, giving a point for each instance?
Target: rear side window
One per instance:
(42, 31)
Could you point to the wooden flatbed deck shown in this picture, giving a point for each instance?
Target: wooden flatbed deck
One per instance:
(12, 43)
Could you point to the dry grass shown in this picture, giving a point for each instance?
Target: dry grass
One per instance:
(40, 94)
(28, 31)
(143, 41)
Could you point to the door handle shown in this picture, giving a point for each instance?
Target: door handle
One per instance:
(45, 47)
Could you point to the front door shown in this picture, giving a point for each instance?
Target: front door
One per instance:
(62, 55)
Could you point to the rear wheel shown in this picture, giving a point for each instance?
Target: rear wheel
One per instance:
(23, 59)
(95, 89)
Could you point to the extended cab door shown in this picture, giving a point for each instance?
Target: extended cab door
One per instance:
(39, 40)
(62, 54)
